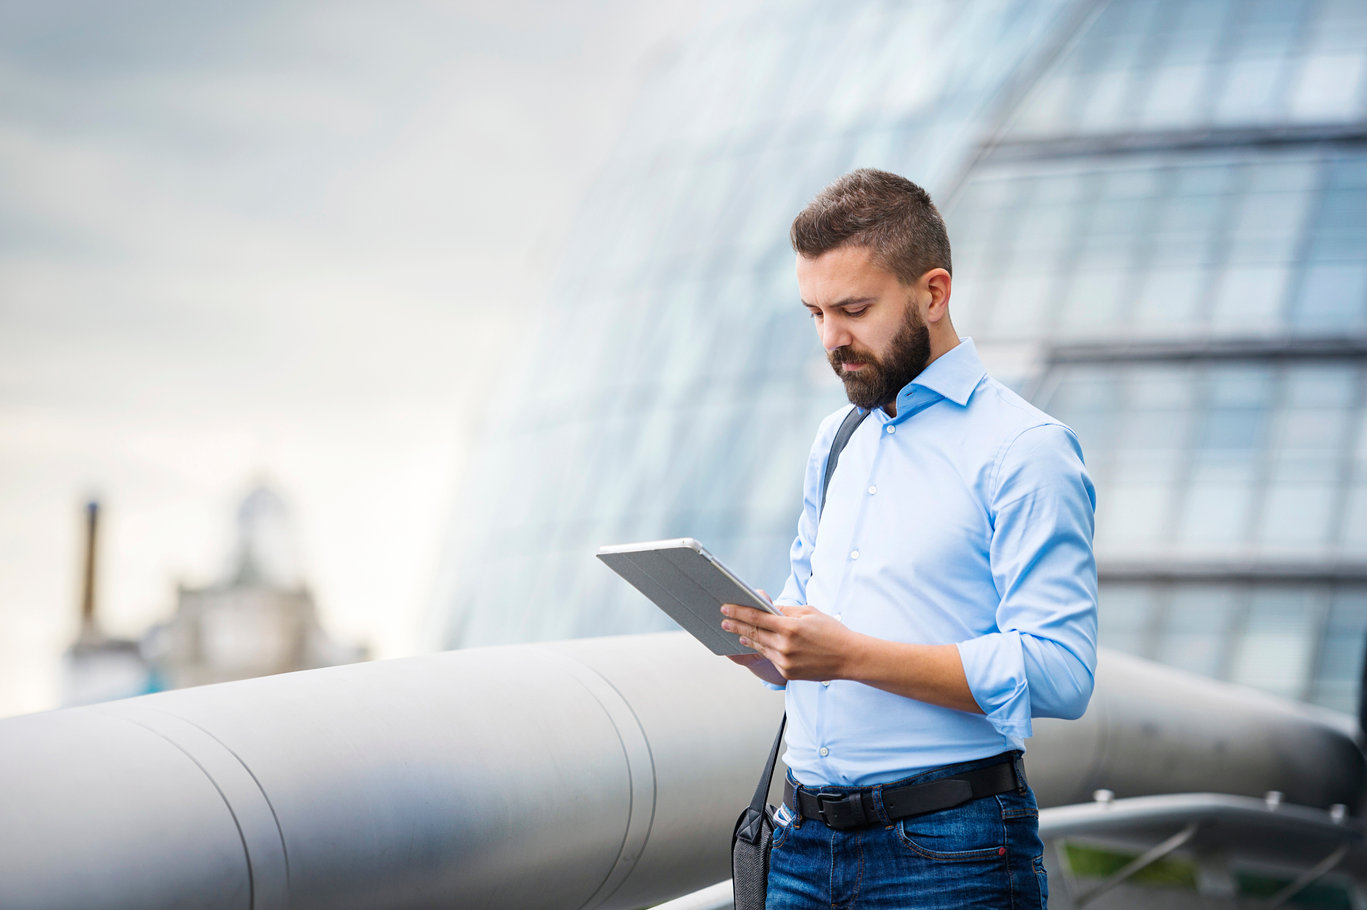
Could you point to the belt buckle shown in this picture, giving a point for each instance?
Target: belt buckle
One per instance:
(837, 811)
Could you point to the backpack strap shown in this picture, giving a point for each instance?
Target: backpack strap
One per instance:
(842, 437)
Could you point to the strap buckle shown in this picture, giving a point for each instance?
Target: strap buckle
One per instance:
(840, 810)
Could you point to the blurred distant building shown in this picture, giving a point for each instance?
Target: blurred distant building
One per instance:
(258, 620)
(1159, 218)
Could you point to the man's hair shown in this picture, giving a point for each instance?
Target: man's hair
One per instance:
(888, 215)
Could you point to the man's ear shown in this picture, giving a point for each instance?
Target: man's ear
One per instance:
(935, 297)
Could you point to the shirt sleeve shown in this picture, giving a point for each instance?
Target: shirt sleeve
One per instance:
(1041, 661)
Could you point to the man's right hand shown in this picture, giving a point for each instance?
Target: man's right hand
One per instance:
(759, 665)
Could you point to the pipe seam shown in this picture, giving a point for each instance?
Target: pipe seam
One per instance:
(263, 842)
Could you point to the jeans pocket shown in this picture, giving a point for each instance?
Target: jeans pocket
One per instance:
(972, 832)
(781, 831)
(1042, 882)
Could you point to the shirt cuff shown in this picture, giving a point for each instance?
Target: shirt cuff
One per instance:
(769, 685)
(995, 668)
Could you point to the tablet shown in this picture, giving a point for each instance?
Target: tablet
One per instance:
(688, 583)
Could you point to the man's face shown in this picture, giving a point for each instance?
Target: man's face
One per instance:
(868, 321)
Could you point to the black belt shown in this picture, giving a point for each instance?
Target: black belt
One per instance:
(855, 808)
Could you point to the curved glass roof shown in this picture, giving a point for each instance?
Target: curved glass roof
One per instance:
(1159, 217)
(677, 382)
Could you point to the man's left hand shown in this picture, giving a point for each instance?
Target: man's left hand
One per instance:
(803, 643)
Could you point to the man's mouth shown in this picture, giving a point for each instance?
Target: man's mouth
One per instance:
(852, 366)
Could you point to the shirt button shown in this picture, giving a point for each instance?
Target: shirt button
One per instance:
(840, 617)
(891, 428)
(825, 682)
(825, 751)
(854, 554)
(872, 490)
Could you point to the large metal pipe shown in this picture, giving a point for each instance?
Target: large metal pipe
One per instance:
(594, 774)
(1152, 729)
(597, 774)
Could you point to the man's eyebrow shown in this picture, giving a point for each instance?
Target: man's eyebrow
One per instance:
(855, 301)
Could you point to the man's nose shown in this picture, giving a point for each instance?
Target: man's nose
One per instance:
(834, 334)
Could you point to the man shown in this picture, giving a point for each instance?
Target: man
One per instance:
(944, 595)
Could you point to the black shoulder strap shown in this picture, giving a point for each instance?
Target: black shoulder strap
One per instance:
(749, 826)
(842, 437)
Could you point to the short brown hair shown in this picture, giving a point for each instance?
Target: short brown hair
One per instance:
(888, 215)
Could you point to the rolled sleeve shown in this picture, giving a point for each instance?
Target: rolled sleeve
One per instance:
(995, 668)
(1041, 661)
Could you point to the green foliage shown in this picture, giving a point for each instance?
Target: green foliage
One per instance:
(1098, 862)
(1095, 862)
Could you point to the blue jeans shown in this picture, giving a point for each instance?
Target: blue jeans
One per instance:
(984, 854)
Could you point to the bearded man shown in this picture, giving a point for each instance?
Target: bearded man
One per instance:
(943, 589)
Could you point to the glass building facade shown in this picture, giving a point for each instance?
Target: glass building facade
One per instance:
(1159, 217)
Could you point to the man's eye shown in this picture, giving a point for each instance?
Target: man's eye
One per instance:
(857, 312)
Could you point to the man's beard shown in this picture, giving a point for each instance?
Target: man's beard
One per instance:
(879, 381)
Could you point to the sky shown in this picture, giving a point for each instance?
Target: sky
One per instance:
(284, 243)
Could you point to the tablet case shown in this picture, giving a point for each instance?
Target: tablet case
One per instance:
(688, 583)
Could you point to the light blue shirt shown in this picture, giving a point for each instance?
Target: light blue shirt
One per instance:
(966, 519)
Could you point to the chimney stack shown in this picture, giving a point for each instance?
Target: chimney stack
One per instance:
(92, 523)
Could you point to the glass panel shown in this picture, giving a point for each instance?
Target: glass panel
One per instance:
(1169, 298)
(1333, 298)
(1133, 515)
(1278, 642)
(1340, 231)
(1188, 222)
(1087, 402)
(1174, 97)
(1249, 298)
(1094, 302)
(1251, 90)
(1338, 678)
(1104, 109)
(1124, 616)
(1022, 301)
(1296, 516)
(1219, 506)
(1329, 87)
(1196, 628)
(1266, 225)
(1354, 537)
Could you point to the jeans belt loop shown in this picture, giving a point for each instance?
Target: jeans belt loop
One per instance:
(883, 817)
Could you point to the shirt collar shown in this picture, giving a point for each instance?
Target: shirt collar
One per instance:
(954, 374)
